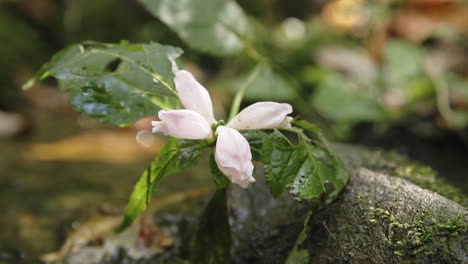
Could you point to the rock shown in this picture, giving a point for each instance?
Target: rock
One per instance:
(378, 218)
(384, 219)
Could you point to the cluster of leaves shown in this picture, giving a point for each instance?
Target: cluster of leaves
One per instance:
(308, 169)
(402, 87)
(120, 83)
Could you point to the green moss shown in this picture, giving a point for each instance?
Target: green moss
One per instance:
(418, 237)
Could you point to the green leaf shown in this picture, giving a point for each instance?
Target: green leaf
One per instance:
(297, 255)
(344, 101)
(175, 156)
(220, 180)
(212, 241)
(282, 161)
(268, 85)
(116, 84)
(403, 62)
(308, 169)
(211, 26)
(255, 139)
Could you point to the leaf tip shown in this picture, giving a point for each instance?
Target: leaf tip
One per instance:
(28, 84)
(126, 222)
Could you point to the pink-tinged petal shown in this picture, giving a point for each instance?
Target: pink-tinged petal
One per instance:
(160, 126)
(184, 124)
(233, 157)
(262, 115)
(193, 95)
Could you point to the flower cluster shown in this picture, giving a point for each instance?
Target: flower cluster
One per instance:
(232, 153)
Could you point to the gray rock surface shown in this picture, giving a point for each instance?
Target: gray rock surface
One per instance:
(378, 218)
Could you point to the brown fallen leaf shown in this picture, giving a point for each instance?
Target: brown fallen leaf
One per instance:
(92, 230)
(418, 21)
(432, 2)
(345, 15)
(107, 145)
(141, 240)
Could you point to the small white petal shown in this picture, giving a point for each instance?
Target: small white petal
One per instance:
(185, 124)
(159, 126)
(193, 95)
(233, 157)
(286, 122)
(262, 115)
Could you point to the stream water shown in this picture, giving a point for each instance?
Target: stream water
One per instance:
(41, 201)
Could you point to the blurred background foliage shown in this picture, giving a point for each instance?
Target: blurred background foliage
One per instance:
(345, 63)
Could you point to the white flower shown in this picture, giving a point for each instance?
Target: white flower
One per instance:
(193, 95)
(185, 124)
(233, 157)
(232, 154)
(262, 115)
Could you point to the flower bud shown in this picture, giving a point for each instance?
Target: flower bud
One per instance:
(184, 124)
(262, 115)
(233, 157)
(193, 95)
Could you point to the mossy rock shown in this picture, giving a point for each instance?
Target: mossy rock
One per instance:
(381, 217)
(384, 219)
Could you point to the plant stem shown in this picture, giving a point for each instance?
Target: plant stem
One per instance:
(240, 93)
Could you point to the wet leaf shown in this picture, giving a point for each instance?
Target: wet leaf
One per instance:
(308, 169)
(115, 83)
(212, 241)
(211, 26)
(175, 156)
